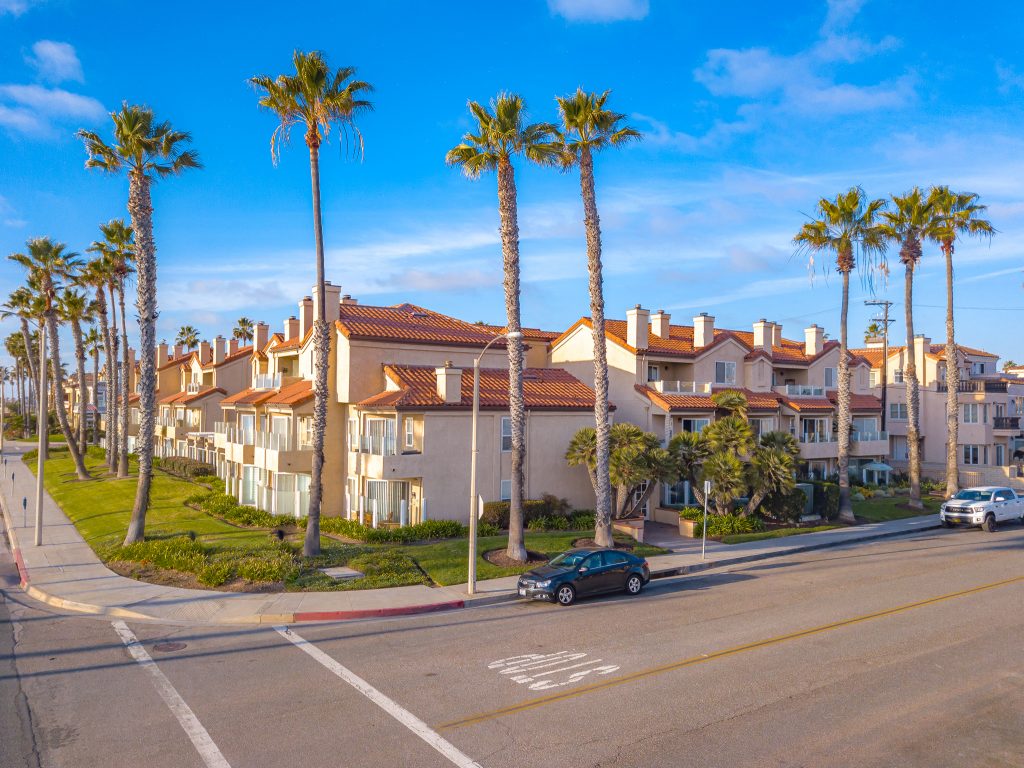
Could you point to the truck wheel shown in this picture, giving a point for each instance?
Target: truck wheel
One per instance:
(989, 526)
(947, 524)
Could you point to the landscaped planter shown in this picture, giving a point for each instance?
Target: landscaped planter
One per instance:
(688, 528)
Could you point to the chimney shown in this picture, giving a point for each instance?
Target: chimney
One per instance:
(922, 346)
(814, 340)
(346, 299)
(637, 327)
(449, 383)
(332, 299)
(305, 316)
(660, 324)
(178, 350)
(232, 346)
(204, 352)
(161, 354)
(703, 330)
(763, 334)
(260, 335)
(291, 328)
(776, 334)
(219, 345)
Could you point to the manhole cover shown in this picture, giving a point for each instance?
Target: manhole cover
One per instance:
(168, 647)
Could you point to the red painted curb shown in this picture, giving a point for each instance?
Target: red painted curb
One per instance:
(373, 613)
(22, 571)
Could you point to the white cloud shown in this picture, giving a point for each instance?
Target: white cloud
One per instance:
(14, 7)
(840, 14)
(600, 10)
(55, 62)
(34, 109)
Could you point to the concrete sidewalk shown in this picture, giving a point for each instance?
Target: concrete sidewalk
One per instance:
(64, 571)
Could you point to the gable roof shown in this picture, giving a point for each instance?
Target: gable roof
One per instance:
(409, 323)
(238, 355)
(180, 360)
(187, 398)
(552, 389)
(296, 393)
(935, 352)
(673, 402)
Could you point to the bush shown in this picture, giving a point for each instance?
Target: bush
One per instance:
(826, 499)
(429, 529)
(180, 553)
(226, 507)
(725, 525)
(497, 512)
(785, 508)
(487, 529)
(184, 467)
(691, 513)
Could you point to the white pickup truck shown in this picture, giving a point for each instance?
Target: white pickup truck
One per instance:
(985, 506)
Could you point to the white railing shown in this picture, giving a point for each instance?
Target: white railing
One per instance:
(377, 445)
(220, 427)
(682, 387)
(274, 441)
(267, 381)
(305, 440)
(817, 437)
(801, 390)
(866, 437)
(194, 387)
(169, 421)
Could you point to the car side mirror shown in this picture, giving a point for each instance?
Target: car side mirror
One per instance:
(582, 569)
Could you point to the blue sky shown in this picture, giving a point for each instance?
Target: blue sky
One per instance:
(750, 114)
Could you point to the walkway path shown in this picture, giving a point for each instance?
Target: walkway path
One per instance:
(64, 571)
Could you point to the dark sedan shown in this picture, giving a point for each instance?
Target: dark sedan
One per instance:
(580, 572)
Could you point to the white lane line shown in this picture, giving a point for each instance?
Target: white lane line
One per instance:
(186, 717)
(402, 715)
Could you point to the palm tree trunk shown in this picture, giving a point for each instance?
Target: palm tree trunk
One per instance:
(845, 505)
(76, 335)
(141, 209)
(517, 410)
(321, 360)
(26, 336)
(592, 224)
(952, 385)
(122, 405)
(58, 397)
(113, 388)
(108, 362)
(910, 379)
(95, 397)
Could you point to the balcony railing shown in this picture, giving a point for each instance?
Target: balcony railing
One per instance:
(1006, 422)
(974, 385)
(377, 445)
(169, 421)
(221, 427)
(800, 390)
(267, 381)
(867, 437)
(275, 441)
(816, 437)
(682, 387)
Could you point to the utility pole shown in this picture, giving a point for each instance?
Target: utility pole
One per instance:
(885, 321)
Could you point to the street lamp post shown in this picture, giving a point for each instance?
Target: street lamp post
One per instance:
(471, 581)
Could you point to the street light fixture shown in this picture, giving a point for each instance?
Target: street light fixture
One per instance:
(471, 581)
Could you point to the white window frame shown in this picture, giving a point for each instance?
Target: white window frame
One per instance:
(693, 423)
(900, 412)
(1000, 455)
(725, 378)
(505, 491)
(975, 455)
(977, 369)
(506, 436)
(975, 413)
(834, 377)
(897, 376)
(410, 432)
(653, 373)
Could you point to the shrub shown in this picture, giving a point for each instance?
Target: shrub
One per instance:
(215, 574)
(185, 467)
(428, 529)
(581, 520)
(785, 508)
(179, 554)
(725, 525)
(691, 513)
(229, 509)
(487, 529)
(826, 500)
(497, 512)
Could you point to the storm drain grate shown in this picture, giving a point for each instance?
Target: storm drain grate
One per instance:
(169, 647)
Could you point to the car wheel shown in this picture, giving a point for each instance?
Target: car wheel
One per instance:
(1021, 519)
(565, 595)
(634, 584)
(990, 523)
(947, 524)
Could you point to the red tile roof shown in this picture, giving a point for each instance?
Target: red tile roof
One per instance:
(410, 324)
(242, 352)
(181, 360)
(292, 394)
(249, 396)
(543, 389)
(756, 401)
(809, 404)
(293, 343)
(935, 351)
(857, 402)
(185, 398)
(529, 334)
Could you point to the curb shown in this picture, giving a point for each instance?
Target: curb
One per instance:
(15, 549)
(376, 613)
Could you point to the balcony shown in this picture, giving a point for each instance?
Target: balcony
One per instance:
(377, 444)
(267, 381)
(681, 387)
(1006, 423)
(873, 443)
(800, 390)
(974, 385)
(238, 444)
(282, 453)
(818, 445)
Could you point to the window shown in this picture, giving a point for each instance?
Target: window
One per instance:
(725, 372)
(506, 490)
(1001, 496)
(900, 449)
(506, 435)
(694, 425)
(353, 434)
(977, 369)
(653, 374)
(815, 430)
(975, 454)
(897, 376)
(898, 411)
(830, 378)
(874, 377)
(975, 413)
(614, 558)
(760, 426)
(410, 433)
(1000, 455)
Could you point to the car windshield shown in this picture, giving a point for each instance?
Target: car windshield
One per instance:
(568, 559)
(969, 495)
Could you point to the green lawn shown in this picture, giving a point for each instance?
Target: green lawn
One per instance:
(740, 538)
(880, 509)
(101, 508)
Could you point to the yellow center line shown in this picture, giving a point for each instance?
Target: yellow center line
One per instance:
(693, 660)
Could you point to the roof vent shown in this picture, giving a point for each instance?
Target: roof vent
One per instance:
(418, 314)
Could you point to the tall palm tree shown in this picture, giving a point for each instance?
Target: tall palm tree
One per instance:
(93, 345)
(961, 215)
(316, 98)
(14, 346)
(146, 151)
(75, 308)
(501, 134)
(19, 304)
(873, 331)
(588, 127)
(96, 275)
(913, 220)
(243, 330)
(188, 337)
(48, 263)
(846, 227)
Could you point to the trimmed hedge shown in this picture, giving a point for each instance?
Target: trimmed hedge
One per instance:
(826, 499)
(184, 467)
(226, 507)
(721, 525)
(497, 512)
(429, 529)
(580, 521)
(786, 508)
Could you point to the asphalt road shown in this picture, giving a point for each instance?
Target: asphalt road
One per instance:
(901, 653)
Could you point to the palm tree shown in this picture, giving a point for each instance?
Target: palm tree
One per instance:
(501, 134)
(725, 471)
(19, 304)
(961, 215)
(588, 127)
(913, 220)
(873, 331)
(75, 308)
(96, 275)
(1009, 365)
(93, 345)
(846, 227)
(243, 330)
(732, 402)
(730, 434)
(783, 441)
(690, 450)
(770, 471)
(47, 263)
(317, 99)
(188, 337)
(147, 151)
